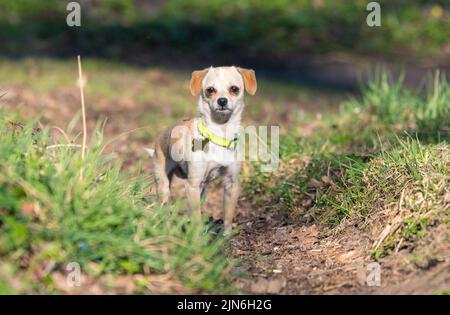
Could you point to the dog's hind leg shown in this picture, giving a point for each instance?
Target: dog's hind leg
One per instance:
(161, 173)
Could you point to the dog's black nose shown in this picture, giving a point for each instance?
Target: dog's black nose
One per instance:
(222, 101)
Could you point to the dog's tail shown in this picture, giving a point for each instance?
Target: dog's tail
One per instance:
(150, 151)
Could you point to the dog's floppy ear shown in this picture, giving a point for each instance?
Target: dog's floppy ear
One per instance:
(249, 80)
(196, 81)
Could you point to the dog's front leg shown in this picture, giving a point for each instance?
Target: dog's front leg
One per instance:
(193, 196)
(230, 199)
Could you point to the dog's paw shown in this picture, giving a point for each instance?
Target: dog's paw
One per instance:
(227, 229)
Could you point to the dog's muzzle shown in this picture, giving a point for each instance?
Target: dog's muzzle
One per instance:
(221, 116)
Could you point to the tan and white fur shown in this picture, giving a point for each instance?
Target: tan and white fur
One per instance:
(221, 103)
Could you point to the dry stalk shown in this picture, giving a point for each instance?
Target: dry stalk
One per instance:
(81, 84)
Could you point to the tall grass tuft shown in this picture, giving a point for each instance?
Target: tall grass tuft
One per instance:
(382, 159)
(387, 98)
(365, 188)
(433, 114)
(106, 220)
(426, 113)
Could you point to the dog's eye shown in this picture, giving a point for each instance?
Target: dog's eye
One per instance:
(210, 91)
(234, 89)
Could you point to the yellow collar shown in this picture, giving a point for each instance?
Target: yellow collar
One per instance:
(223, 142)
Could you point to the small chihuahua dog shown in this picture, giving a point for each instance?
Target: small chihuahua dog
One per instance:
(202, 149)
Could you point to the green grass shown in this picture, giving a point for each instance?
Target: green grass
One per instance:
(368, 187)
(392, 103)
(48, 213)
(385, 152)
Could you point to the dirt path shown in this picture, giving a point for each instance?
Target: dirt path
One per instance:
(279, 255)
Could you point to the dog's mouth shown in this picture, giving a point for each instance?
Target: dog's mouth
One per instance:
(221, 115)
(223, 109)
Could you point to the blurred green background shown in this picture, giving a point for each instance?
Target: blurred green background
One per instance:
(245, 30)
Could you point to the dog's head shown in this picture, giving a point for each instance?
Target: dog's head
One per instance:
(221, 90)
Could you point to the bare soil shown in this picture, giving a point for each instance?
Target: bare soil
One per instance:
(289, 257)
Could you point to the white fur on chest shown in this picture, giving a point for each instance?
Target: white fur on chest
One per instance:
(214, 160)
(214, 156)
